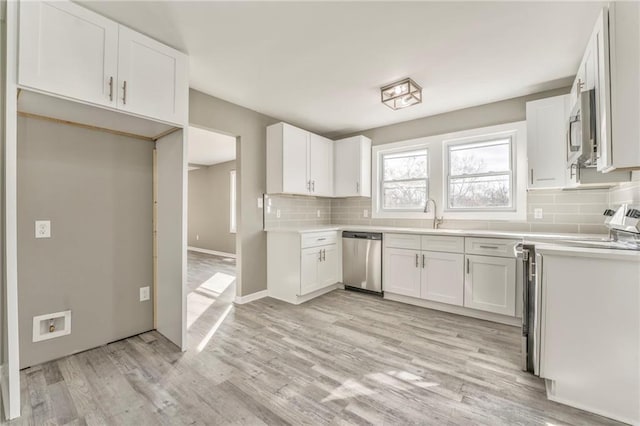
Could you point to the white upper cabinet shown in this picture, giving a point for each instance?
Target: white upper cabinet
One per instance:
(321, 165)
(622, 149)
(352, 167)
(68, 50)
(546, 139)
(298, 162)
(150, 78)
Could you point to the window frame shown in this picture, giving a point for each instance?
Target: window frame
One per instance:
(438, 171)
(233, 208)
(382, 182)
(511, 173)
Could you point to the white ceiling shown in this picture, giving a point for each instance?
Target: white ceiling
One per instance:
(207, 148)
(320, 64)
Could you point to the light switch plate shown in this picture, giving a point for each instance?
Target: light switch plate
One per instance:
(260, 202)
(365, 213)
(43, 229)
(144, 293)
(537, 213)
(318, 213)
(278, 213)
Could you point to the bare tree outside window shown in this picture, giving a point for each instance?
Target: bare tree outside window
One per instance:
(480, 175)
(405, 180)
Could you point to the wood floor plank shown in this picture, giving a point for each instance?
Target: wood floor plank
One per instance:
(344, 358)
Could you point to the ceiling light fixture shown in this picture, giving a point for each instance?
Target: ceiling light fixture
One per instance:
(401, 94)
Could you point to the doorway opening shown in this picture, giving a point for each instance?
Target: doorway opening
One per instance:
(211, 233)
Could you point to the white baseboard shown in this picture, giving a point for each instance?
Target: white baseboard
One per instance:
(213, 252)
(240, 300)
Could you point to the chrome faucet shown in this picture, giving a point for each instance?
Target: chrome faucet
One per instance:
(437, 221)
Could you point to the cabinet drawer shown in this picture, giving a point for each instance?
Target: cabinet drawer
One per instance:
(441, 243)
(404, 241)
(490, 246)
(315, 239)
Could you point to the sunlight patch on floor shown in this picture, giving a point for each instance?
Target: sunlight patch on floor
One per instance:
(203, 344)
(206, 294)
(398, 380)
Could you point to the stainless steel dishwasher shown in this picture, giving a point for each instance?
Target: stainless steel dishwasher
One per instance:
(362, 261)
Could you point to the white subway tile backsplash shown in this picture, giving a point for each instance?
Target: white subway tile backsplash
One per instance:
(575, 211)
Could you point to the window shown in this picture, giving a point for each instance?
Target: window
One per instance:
(405, 180)
(480, 175)
(232, 202)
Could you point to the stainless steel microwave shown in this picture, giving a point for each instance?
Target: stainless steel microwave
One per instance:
(581, 130)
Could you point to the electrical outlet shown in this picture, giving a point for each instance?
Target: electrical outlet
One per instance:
(43, 229)
(318, 213)
(260, 202)
(278, 213)
(144, 293)
(197, 237)
(365, 213)
(537, 213)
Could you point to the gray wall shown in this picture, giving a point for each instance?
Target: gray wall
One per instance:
(209, 206)
(96, 188)
(250, 127)
(501, 112)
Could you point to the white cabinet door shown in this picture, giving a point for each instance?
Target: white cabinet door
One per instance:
(68, 50)
(490, 284)
(352, 167)
(546, 139)
(442, 277)
(328, 266)
(321, 165)
(152, 78)
(309, 270)
(402, 272)
(295, 145)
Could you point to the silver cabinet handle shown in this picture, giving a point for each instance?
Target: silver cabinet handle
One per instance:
(468, 266)
(490, 247)
(320, 239)
(320, 255)
(309, 185)
(324, 254)
(531, 176)
(124, 93)
(423, 262)
(111, 89)
(313, 186)
(357, 187)
(417, 260)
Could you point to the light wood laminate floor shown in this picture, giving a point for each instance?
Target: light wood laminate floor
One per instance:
(343, 358)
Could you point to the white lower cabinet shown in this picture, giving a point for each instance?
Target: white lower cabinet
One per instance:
(301, 266)
(442, 277)
(402, 272)
(490, 284)
(319, 268)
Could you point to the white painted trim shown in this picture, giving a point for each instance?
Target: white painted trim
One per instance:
(241, 300)
(459, 310)
(11, 377)
(213, 252)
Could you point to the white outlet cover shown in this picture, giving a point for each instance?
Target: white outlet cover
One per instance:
(537, 213)
(318, 212)
(144, 293)
(365, 213)
(43, 229)
(277, 212)
(260, 202)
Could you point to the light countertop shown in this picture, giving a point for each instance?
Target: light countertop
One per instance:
(527, 236)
